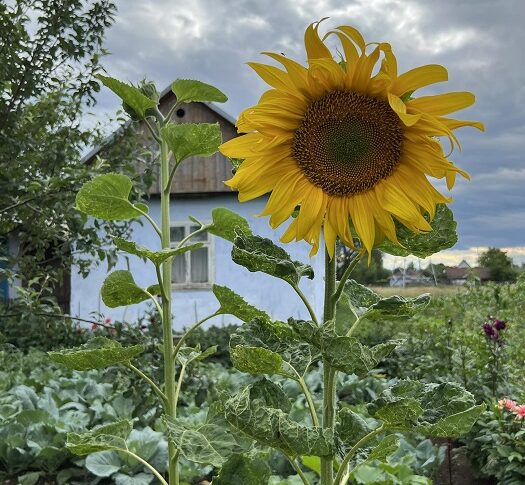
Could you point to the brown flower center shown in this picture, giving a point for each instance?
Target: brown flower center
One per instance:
(347, 142)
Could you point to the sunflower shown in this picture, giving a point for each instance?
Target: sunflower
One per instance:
(346, 143)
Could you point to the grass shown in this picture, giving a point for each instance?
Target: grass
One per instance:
(417, 290)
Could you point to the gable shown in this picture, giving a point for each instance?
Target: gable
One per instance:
(198, 175)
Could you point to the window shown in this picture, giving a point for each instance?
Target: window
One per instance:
(193, 268)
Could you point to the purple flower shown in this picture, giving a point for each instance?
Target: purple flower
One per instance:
(489, 330)
(500, 325)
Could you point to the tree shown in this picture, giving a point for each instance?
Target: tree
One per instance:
(499, 264)
(363, 273)
(49, 53)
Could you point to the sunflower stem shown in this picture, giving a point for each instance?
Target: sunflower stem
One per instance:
(330, 374)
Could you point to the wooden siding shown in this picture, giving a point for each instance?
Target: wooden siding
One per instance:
(197, 175)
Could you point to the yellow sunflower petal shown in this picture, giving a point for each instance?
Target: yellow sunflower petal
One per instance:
(355, 35)
(362, 219)
(418, 78)
(242, 146)
(315, 48)
(400, 108)
(273, 76)
(443, 104)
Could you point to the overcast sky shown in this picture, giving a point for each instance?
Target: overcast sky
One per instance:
(480, 42)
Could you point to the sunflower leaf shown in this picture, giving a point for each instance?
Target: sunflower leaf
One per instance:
(348, 355)
(187, 355)
(271, 426)
(366, 303)
(260, 254)
(226, 223)
(192, 140)
(156, 257)
(442, 236)
(101, 438)
(97, 353)
(234, 304)
(107, 197)
(243, 469)
(120, 289)
(189, 90)
(435, 410)
(129, 94)
(351, 427)
(202, 443)
(264, 347)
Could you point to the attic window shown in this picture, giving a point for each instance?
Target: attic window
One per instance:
(180, 112)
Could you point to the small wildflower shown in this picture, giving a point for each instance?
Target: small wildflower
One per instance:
(519, 411)
(489, 329)
(508, 404)
(94, 326)
(107, 321)
(499, 325)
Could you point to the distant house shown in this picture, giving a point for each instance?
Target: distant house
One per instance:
(196, 190)
(460, 274)
(410, 278)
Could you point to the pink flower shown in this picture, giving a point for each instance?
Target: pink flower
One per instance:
(508, 404)
(519, 411)
(107, 321)
(94, 326)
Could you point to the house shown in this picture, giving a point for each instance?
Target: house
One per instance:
(460, 274)
(196, 190)
(402, 279)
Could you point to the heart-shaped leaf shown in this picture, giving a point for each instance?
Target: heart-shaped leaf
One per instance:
(233, 304)
(120, 289)
(189, 90)
(192, 140)
(226, 224)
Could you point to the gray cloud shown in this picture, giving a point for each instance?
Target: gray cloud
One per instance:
(479, 41)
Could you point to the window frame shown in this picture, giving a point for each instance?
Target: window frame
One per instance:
(208, 244)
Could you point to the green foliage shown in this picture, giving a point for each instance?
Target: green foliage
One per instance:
(156, 257)
(130, 95)
(101, 438)
(243, 469)
(226, 224)
(438, 410)
(253, 412)
(107, 197)
(206, 443)
(442, 236)
(496, 445)
(98, 353)
(233, 304)
(120, 289)
(264, 347)
(365, 272)
(192, 140)
(499, 264)
(259, 254)
(189, 90)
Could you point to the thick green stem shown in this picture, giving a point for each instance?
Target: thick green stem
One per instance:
(167, 329)
(329, 399)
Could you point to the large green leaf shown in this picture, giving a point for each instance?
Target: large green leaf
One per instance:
(192, 140)
(188, 90)
(348, 355)
(131, 95)
(437, 410)
(101, 438)
(442, 236)
(226, 223)
(187, 355)
(202, 443)
(351, 427)
(234, 304)
(243, 469)
(367, 303)
(97, 353)
(156, 257)
(264, 347)
(120, 289)
(271, 426)
(259, 254)
(103, 463)
(137, 479)
(107, 197)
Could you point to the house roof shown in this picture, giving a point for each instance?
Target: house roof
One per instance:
(163, 95)
(462, 273)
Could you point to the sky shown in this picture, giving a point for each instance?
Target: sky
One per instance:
(480, 42)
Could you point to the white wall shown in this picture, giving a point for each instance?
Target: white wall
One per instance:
(189, 305)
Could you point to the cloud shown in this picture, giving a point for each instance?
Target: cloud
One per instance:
(479, 41)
